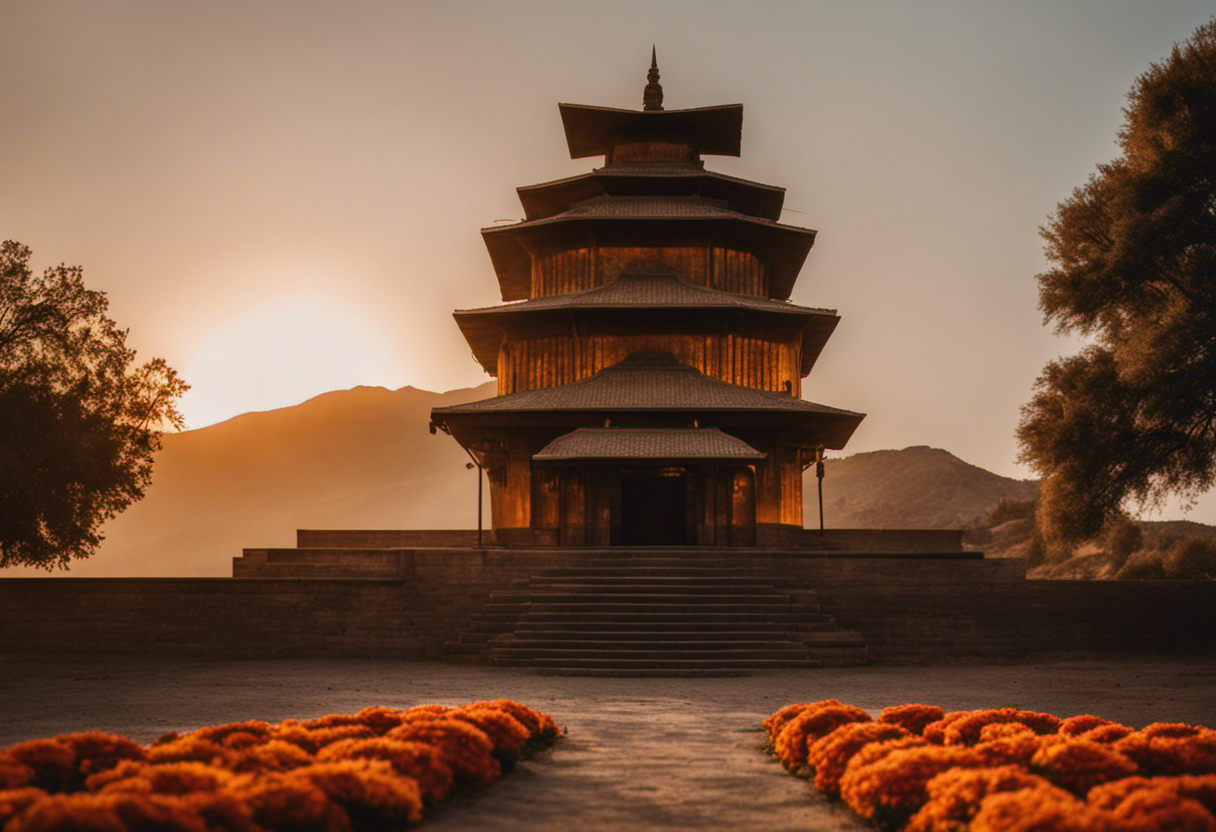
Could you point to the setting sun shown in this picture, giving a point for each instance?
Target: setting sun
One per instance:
(278, 354)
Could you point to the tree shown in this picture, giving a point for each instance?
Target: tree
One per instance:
(79, 421)
(1132, 256)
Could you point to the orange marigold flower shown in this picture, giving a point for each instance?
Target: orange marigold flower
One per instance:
(912, 717)
(1000, 730)
(1173, 730)
(539, 725)
(1079, 765)
(420, 710)
(809, 726)
(465, 748)
(418, 760)
(935, 732)
(1106, 734)
(370, 792)
(1076, 725)
(314, 740)
(777, 721)
(1164, 754)
(955, 795)
(275, 755)
(128, 812)
(506, 732)
(285, 801)
(189, 749)
(58, 812)
(164, 778)
(15, 775)
(1043, 809)
(891, 789)
(220, 811)
(380, 719)
(219, 733)
(52, 762)
(966, 731)
(97, 751)
(1015, 749)
(15, 801)
(1201, 788)
(830, 754)
(1163, 810)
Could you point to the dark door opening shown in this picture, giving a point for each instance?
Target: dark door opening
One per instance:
(654, 510)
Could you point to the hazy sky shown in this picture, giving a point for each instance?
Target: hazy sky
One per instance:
(284, 198)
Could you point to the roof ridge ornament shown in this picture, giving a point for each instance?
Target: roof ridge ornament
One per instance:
(652, 96)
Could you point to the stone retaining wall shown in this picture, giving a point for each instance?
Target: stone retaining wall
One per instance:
(910, 608)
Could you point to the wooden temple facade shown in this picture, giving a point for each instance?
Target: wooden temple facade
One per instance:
(649, 362)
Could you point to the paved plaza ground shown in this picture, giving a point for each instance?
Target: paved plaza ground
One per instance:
(680, 754)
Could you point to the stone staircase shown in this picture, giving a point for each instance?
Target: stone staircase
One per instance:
(655, 612)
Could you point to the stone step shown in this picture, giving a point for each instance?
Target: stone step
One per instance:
(698, 633)
(631, 614)
(644, 571)
(665, 586)
(653, 595)
(313, 570)
(515, 645)
(702, 663)
(547, 581)
(502, 624)
(650, 672)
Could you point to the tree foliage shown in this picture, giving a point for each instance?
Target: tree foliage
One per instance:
(79, 420)
(1132, 256)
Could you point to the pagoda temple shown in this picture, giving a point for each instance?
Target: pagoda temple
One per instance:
(649, 362)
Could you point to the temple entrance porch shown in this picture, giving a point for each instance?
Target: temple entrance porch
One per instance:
(690, 504)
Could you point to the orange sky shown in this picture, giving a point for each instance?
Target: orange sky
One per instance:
(283, 197)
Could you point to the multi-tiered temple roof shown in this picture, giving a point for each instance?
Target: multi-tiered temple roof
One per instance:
(649, 362)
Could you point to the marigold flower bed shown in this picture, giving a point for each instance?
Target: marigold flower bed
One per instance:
(918, 768)
(380, 768)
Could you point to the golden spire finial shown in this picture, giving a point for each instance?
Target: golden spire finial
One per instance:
(652, 96)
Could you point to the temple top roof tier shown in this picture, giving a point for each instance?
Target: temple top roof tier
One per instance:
(652, 135)
(548, 199)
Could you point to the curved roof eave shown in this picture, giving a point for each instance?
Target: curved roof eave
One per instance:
(547, 199)
(715, 131)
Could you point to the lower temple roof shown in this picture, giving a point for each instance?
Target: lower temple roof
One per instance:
(644, 382)
(647, 443)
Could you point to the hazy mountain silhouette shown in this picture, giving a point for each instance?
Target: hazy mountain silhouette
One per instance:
(358, 458)
(916, 488)
(364, 458)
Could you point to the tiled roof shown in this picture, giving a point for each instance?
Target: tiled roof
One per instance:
(647, 443)
(639, 288)
(647, 382)
(648, 207)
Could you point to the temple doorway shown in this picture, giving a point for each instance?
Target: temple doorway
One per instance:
(654, 509)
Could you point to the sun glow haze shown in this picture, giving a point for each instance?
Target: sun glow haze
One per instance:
(278, 354)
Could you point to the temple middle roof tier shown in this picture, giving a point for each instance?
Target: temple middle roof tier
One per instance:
(682, 306)
(649, 384)
(548, 199)
(647, 221)
(667, 444)
(710, 131)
